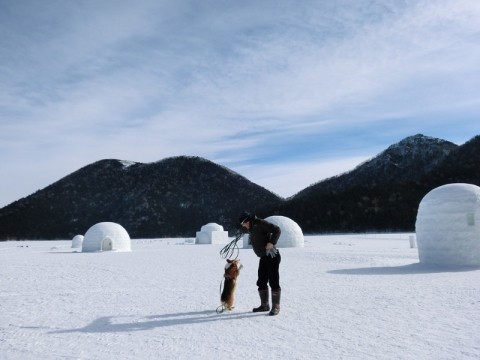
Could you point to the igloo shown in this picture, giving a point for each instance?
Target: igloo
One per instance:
(291, 236)
(106, 236)
(212, 234)
(448, 226)
(77, 241)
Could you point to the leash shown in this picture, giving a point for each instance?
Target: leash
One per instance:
(232, 248)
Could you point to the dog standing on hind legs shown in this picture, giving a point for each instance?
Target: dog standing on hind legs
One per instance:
(232, 270)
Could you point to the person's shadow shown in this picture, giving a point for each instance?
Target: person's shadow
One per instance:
(118, 323)
(416, 268)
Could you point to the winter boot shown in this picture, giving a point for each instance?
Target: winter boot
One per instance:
(264, 306)
(275, 302)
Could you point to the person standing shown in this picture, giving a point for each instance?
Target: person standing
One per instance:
(264, 236)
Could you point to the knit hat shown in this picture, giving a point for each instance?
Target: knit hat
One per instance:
(245, 216)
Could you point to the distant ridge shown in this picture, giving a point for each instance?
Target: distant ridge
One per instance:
(407, 160)
(174, 197)
(383, 194)
(171, 197)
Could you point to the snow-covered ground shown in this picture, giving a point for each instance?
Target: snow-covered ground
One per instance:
(344, 297)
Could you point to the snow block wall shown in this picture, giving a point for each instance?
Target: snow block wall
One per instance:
(211, 234)
(448, 226)
(291, 236)
(106, 236)
(77, 241)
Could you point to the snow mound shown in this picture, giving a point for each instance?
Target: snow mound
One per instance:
(106, 236)
(77, 241)
(448, 226)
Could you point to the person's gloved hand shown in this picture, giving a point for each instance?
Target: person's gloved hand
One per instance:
(272, 252)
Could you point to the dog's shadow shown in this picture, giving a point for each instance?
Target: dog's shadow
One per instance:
(133, 323)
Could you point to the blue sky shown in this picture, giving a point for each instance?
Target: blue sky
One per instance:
(285, 93)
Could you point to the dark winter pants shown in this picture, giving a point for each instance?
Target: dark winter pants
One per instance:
(268, 272)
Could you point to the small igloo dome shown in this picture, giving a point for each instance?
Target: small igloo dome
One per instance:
(448, 226)
(212, 227)
(106, 236)
(77, 241)
(211, 233)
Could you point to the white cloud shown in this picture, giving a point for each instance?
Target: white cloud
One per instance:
(234, 82)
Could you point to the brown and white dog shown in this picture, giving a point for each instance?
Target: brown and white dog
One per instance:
(232, 270)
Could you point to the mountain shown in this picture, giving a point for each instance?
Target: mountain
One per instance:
(170, 198)
(383, 193)
(461, 165)
(408, 160)
(176, 196)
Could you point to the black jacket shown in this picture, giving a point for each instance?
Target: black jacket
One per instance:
(262, 232)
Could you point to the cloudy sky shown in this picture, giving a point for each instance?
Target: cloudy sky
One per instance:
(285, 93)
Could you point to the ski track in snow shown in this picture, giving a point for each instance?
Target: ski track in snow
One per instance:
(343, 297)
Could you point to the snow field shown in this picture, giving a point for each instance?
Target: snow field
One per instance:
(343, 297)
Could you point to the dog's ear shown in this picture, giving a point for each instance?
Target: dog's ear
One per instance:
(229, 261)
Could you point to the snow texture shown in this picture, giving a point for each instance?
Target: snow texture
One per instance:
(291, 236)
(126, 163)
(448, 226)
(343, 297)
(212, 233)
(77, 241)
(106, 236)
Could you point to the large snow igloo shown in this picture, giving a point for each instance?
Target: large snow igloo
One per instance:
(106, 236)
(212, 234)
(291, 236)
(448, 226)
